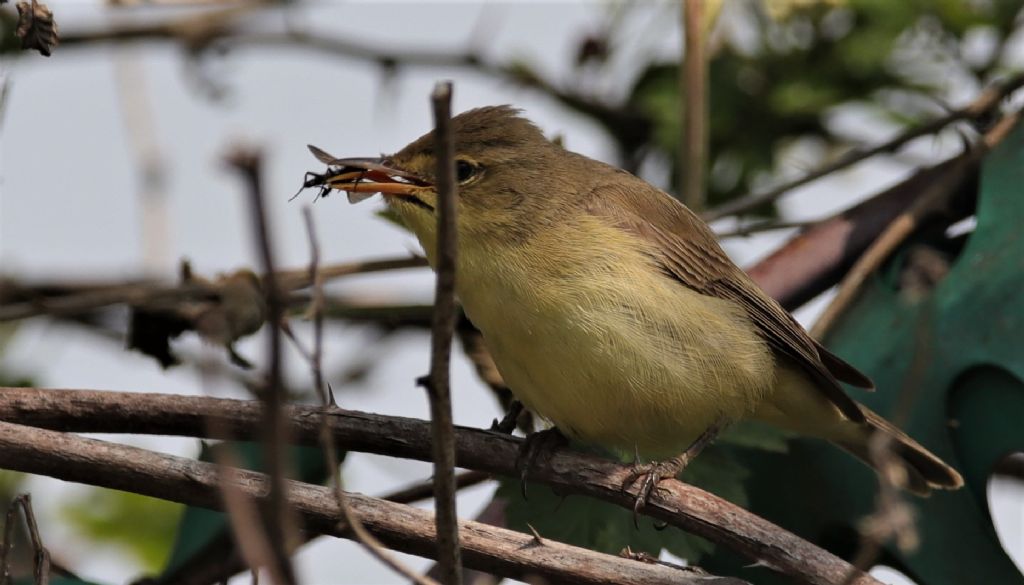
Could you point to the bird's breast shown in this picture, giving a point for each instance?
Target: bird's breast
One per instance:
(600, 342)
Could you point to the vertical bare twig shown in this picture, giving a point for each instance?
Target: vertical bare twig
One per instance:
(41, 564)
(437, 382)
(247, 162)
(693, 98)
(140, 127)
(253, 542)
(316, 313)
(249, 546)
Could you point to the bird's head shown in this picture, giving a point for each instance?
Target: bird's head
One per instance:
(506, 171)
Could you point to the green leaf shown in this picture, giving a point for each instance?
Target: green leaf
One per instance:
(592, 524)
(202, 532)
(604, 527)
(754, 434)
(717, 470)
(141, 526)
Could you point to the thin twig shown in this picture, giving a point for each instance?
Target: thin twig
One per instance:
(982, 106)
(103, 296)
(745, 230)
(218, 31)
(94, 296)
(140, 126)
(247, 544)
(247, 162)
(424, 490)
(567, 471)
(348, 517)
(41, 556)
(250, 538)
(819, 256)
(437, 382)
(693, 97)
(927, 203)
(296, 279)
(893, 516)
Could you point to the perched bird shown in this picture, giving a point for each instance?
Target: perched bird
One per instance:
(611, 310)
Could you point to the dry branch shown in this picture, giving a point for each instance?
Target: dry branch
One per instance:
(24, 300)
(693, 94)
(220, 31)
(41, 556)
(629, 126)
(438, 381)
(811, 262)
(675, 503)
(496, 550)
(274, 436)
(348, 517)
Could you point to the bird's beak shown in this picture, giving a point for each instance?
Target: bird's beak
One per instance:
(365, 175)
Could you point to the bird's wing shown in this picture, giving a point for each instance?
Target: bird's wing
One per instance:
(687, 251)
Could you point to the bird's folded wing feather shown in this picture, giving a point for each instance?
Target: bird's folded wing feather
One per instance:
(687, 251)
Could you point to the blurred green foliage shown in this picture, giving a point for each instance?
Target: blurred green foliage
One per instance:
(777, 74)
(138, 525)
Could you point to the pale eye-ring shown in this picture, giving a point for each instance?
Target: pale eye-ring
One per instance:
(464, 170)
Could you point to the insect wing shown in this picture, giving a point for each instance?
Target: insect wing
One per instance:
(321, 156)
(358, 196)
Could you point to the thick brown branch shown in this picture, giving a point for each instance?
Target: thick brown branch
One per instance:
(676, 503)
(495, 550)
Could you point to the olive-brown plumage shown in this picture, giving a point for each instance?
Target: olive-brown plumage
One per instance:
(611, 310)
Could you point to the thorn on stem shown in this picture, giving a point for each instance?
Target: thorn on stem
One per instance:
(536, 535)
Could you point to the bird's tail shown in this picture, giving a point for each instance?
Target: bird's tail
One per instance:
(923, 470)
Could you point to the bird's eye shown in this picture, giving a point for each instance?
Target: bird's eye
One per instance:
(464, 170)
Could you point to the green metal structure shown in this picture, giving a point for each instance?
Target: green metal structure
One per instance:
(949, 366)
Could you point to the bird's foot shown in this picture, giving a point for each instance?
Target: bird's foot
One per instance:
(656, 471)
(652, 473)
(533, 446)
(508, 423)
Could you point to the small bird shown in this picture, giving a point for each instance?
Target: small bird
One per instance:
(611, 310)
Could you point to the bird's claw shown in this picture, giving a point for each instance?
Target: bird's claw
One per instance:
(533, 446)
(508, 422)
(651, 474)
